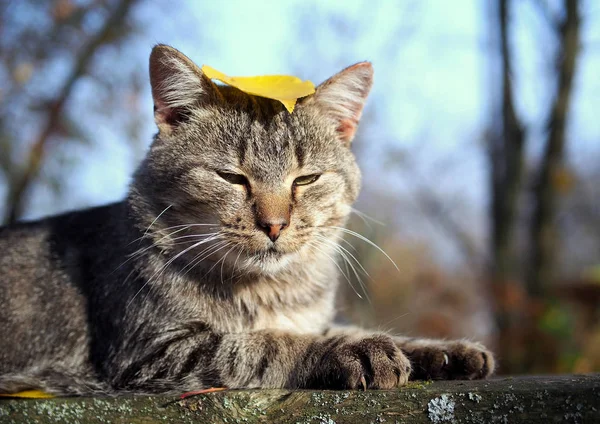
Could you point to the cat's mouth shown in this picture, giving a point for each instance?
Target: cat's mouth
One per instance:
(270, 253)
(268, 261)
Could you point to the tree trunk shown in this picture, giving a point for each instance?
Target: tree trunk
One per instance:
(544, 242)
(506, 158)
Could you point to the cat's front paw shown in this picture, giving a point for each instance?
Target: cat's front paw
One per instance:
(448, 360)
(373, 362)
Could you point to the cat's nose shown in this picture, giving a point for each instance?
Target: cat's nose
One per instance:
(273, 228)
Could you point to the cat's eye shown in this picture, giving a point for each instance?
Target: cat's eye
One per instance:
(233, 178)
(306, 179)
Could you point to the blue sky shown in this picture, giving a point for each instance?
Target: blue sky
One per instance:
(431, 98)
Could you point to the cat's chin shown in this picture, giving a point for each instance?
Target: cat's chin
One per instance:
(267, 263)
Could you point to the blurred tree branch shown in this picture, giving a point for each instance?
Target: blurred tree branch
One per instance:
(18, 189)
(544, 241)
(440, 214)
(506, 158)
(546, 12)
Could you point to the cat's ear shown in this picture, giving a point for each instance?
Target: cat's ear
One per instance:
(178, 86)
(342, 97)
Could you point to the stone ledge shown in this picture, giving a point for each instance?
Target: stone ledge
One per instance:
(574, 399)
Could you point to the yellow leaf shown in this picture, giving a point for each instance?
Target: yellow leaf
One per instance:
(284, 88)
(28, 394)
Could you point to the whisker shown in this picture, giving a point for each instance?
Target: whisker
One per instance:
(343, 253)
(227, 244)
(364, 217)
(140, 252)
(153, 244)
(223, 263)
(341, 238)
(233, 275)
(184, 226)
(155, 219)
(315, 246)
(337, 245)
(164, 267)
(366, 240)
(203, 255)
(196, 236)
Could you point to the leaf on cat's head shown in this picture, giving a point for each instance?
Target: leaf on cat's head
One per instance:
(285, 88)
(28, 394)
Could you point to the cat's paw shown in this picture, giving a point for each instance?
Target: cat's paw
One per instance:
(448, 360)
(372, 362)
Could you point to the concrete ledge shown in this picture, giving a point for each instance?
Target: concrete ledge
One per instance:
(564, 399)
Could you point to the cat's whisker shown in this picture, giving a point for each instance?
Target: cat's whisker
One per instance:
(223, 263)
(203, 255)
(157, 231)
(343, 253)
(226, 245)
(342, 239)
(366, 240)
(241, 249)
(315, 246)
(156, 219)
(192, 236)
(385, 324)
(181, 227)
(200, 255)
(337, 245)
(128, 276)
(140, 252)
(247, 268)
(365, 217)
(164, 267)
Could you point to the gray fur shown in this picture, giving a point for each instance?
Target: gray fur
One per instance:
(180, 287)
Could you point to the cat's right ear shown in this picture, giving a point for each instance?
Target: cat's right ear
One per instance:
(342, 98)
(178, 86)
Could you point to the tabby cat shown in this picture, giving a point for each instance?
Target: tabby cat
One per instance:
(219, 268)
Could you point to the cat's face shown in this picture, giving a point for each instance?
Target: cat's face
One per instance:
(243, 180)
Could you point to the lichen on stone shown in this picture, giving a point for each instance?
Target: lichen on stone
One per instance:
(441, 409)
(475, 397)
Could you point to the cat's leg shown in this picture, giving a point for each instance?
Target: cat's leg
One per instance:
(438, 359)
(267, 359)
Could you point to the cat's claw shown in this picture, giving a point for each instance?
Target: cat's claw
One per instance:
(452, 360)
(372, 362)
(363, 383)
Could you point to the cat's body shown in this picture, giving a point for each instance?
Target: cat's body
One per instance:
(218, 269)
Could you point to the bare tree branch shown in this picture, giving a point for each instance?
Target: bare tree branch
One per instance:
(17, 192)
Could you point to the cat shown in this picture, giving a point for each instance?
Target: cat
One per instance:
(219, 268)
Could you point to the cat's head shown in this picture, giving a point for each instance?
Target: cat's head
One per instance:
(236, 177)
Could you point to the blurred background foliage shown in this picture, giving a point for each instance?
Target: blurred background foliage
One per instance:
(479, 146)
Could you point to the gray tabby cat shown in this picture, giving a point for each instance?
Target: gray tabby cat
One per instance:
(218, 269)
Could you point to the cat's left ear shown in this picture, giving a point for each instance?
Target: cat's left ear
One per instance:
(178, 87)
(343, 96)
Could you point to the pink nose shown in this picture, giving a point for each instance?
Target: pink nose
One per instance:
(273, 230)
